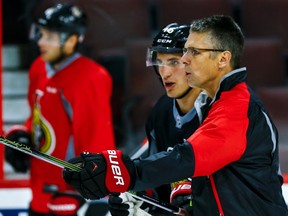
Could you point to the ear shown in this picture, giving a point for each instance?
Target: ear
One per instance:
(71, 43)
(225, 59)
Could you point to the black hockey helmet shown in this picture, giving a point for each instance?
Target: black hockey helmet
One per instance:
(171, 39)
(66, 18)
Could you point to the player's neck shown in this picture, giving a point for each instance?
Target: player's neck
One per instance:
(57, 63)
(186, 103)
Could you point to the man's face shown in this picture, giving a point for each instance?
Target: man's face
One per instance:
(201, 65)
(49, 45)
(172, 73)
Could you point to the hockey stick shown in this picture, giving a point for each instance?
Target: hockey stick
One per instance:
(64, 164)
(158, 203)
(27, 150)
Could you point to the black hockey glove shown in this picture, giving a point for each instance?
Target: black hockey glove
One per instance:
(18, 160)
(181, 196)
(102, 173)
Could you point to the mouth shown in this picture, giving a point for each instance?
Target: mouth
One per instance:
(42, 52)
(169, 85)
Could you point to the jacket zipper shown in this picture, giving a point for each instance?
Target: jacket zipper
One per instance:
(216, 196)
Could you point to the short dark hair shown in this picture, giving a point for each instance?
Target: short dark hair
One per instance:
(225, 34)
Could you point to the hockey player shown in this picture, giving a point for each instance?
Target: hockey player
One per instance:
(69, 97)
(172, 119)
(234, 151)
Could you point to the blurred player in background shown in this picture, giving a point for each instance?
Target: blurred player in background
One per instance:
(69, 96)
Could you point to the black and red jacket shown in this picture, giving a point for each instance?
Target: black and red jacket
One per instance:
(232, 156)
(166, 127)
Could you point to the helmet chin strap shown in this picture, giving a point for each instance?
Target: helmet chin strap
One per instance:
(185, 93)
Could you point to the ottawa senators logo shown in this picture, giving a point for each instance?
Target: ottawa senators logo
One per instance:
(42, 132)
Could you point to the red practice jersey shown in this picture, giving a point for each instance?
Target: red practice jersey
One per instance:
(70, 113)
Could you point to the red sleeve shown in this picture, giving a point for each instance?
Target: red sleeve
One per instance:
(221, 138)
(92, 115)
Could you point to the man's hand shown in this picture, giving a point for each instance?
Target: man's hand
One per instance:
(18, 160)
(101, 174)
(123, 204)
(181, 195)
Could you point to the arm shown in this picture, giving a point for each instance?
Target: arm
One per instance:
(219, 140)
(179, 161)
(22, 133)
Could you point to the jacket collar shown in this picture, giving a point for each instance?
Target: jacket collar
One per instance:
(227, 82)
(51, 71)
(230, 80)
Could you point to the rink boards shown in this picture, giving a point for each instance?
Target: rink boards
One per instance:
(15, 201)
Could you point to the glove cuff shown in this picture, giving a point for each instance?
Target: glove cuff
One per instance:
(16, 128)
(183, 188)
(120, 171)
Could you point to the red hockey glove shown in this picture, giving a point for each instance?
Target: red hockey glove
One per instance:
(18, 160)
(101, 174)
(65, 204)
(181, 195)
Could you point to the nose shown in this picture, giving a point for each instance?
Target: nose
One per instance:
(165, 72)
(184, 59)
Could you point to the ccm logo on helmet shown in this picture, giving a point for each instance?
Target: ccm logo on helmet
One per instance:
(164, 41)
(113, 159)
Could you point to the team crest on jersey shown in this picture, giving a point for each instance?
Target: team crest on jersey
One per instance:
(42, 132)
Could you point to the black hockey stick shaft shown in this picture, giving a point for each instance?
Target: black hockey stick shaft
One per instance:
(158, 203)
(64, 164)
(48, 158)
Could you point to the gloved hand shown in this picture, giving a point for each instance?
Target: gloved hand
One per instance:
(18, 160)
(123, 204)
(62, 203)
(101, 174)
(181, 195)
